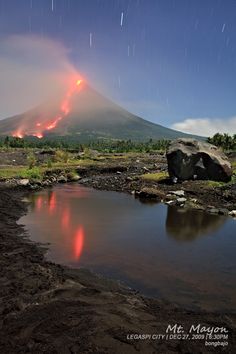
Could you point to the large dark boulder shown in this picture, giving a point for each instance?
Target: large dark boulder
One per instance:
(193, 159)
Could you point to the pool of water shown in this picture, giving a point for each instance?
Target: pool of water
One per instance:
(184, 256)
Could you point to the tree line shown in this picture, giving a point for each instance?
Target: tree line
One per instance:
(68, 143)
(225, 141)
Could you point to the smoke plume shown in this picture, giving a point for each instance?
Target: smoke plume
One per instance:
(33, 70)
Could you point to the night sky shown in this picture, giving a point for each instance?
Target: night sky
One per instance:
(170, 61)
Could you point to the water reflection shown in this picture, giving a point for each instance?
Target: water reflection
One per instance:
(65, 221)
(62, 223)
(52, 201)
(38, 203)
(119, 237)
(79, 242)
(189, 224)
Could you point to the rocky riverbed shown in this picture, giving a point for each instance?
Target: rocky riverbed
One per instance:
(49, 308)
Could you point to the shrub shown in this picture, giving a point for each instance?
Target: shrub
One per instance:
(31, 160)
(61, 156)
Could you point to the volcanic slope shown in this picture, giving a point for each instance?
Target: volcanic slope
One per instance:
(91, 116)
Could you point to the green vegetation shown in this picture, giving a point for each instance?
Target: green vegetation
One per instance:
(31, 160)
(61, 156)
(49, 163)
(32, 173)
(10, 172)
(155, 177)
(215, 184)
(70, 143)
(234, 166)
(225, 141)
(66, 154)
(21, 172)
(73, 175)
(38, 172)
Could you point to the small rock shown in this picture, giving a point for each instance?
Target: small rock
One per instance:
(174, 180)
(73, 177)
(118, 172)
(232, 213)
(34, 187)
(151, 193)
(53, 179)
(23, 182)
(61, 179)
(145, 168)
(46, 183)
(38, 183)
(223, 211)
(213, 211)
(179, 193)
(170, 202)
(25, 200)
(181, 200)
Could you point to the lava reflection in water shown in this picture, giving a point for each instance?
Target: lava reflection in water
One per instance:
(65, 221)
(79, 242)
(56, 211)
(39, 202)
(52, 202)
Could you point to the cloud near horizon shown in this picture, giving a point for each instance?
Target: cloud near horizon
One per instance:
(206, 126)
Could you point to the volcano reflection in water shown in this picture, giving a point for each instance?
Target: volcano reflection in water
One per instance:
(185, 256)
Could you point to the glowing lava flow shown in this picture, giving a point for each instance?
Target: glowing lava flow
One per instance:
(18, 134)
(40, 127)
(65, 106)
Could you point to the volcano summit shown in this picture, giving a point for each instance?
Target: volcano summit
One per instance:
(84, 113)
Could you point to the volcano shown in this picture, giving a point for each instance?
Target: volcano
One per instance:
(84, 113)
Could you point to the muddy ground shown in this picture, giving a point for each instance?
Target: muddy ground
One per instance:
(47, 308)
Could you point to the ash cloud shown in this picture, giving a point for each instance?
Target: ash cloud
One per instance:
(33, 70)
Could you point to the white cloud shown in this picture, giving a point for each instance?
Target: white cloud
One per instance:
(206, 126)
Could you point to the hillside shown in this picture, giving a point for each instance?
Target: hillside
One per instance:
(90, 116)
